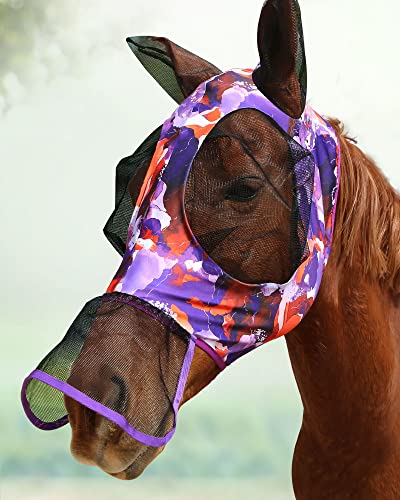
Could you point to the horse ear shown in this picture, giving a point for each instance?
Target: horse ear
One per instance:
(178, 71)
(282, 73)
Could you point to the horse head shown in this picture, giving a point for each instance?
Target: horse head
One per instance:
(240, 203)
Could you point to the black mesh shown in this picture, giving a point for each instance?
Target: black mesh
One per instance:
(155, 57)
(177, 70)
(282, 73)
(248, 198)
(120, 357)
(130, 173)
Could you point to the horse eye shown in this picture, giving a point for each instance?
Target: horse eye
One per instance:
(243, 190)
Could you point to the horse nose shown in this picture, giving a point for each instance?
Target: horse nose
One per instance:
(95, 439)
(118, 396)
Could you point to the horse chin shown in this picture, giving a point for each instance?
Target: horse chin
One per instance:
(140, 463)
(128, 466)
(98, 442)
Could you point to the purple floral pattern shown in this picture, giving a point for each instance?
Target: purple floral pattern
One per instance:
(165, 266)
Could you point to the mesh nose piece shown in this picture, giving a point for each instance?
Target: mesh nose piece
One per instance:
(118, 361)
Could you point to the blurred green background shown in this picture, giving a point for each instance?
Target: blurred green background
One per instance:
(73, 101)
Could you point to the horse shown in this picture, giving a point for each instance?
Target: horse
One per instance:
(345, 353)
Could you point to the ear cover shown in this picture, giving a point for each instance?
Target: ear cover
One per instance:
(178, 71)
(282, 73)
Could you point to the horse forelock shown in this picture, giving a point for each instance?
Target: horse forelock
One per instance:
(368, 216)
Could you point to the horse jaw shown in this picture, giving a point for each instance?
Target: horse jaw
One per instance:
(99, 442)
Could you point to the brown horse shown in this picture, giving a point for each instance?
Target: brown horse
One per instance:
(346, 353)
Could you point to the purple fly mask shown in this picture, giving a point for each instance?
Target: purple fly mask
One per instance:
(171, 272)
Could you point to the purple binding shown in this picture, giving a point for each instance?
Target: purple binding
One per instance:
(45, 426)
(90, 403)
(210, 351)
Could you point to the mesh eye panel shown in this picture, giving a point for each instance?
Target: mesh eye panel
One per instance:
(248, 198)
(130, 173)
(119, 357)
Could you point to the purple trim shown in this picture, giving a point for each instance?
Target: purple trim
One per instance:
(210, 351)
(187, 363)
(90, 403)
(115, 417)
(45, 426)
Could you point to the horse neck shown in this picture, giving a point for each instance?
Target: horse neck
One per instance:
(346, 353)
(345, 358)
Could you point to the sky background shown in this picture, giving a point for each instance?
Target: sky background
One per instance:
(73, 102)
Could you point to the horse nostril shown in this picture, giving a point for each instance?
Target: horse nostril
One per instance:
(119, 395)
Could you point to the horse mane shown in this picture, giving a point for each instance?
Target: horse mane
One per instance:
(368, 216)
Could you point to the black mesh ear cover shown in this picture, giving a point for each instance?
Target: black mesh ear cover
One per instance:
(116, 227)
(177, 70)
(282, 73)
